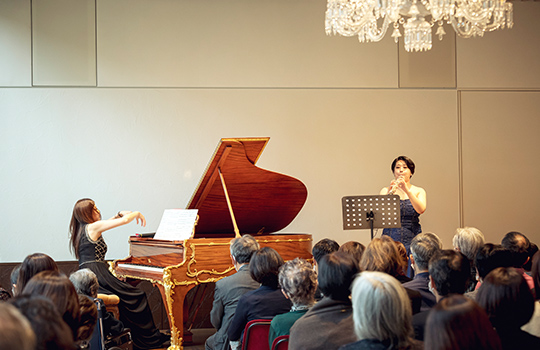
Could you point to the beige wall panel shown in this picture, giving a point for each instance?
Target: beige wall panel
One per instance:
(15, 43)
(435, 68)
(500, 162)
(64, 42)
(505, 58)
(233, 43)
(144, 149)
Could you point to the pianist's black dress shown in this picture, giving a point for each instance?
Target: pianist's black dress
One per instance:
(134, 310)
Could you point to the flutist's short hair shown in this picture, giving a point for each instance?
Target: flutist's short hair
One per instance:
(242, 248)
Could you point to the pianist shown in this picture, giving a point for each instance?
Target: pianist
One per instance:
(87, 242)
(230, 289)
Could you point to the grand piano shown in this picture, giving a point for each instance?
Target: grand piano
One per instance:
(233, 197)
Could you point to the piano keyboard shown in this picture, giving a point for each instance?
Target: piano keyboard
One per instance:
(141, 267)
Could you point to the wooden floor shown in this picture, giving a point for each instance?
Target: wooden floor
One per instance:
(199, 337)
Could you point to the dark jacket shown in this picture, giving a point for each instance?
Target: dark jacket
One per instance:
(226, 295)
(326, 326)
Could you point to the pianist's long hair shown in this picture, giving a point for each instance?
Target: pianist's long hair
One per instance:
(82, 214)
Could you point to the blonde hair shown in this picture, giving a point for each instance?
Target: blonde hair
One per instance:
(381, 309)
(468, 240)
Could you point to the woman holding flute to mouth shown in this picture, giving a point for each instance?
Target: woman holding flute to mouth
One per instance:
(412, 202)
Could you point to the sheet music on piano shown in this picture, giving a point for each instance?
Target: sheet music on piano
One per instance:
(176, 224)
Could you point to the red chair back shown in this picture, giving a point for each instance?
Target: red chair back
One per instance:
(281, 343)
(256, 335)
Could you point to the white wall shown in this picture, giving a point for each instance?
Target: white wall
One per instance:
(170, 78)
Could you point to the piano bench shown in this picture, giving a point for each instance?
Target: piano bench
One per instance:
(111, 303)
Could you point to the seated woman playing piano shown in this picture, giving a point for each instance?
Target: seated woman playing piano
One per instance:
(87, 242)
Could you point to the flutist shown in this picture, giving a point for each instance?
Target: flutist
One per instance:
(412, 202)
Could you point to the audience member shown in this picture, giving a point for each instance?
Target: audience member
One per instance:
(321, 248)
(13, 278)
(88, 319)
(50, 330)
(86, 283)
(264, 302)
(449, 272)
(509, 303)
(468, 240)
(458, 323)
(533, 249)
(59, 289)
(4, 294)
(31, 266)
(489, 257)
(229, 290)
(328, 324)
(518, 244)
(533, 326)
(423, 247)
(382, 255)
(404, 259)
(381, 313)
(298, 282)
(15, 330)
(355, 249)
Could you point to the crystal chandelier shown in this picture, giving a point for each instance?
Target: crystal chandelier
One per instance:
(369, 19)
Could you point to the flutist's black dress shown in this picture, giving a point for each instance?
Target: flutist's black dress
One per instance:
(134, 310)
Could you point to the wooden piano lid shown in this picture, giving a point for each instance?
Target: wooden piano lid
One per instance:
(261, 200)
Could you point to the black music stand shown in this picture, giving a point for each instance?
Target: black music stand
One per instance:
(363, 212)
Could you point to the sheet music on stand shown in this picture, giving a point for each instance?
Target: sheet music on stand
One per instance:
(177, 224)
(369, 212)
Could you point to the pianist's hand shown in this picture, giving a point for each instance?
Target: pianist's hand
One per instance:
(140, 217)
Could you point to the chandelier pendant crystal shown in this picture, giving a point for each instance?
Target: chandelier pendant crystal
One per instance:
(370, 19)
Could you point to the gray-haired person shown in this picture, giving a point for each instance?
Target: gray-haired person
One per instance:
(229, 289)
(298, 281)
(86, 283)
(423, 247)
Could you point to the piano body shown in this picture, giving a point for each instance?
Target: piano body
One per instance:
(234, 196)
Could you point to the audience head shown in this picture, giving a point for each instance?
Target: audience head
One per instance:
(381, 309)
(489, 257)
(404, 259)
(264, 266)
(31, 266)
(242, 248)
(15, 330)
(423, 247)
(382, 255)
(50, 330)
(355, 249)
(449, 272)
(468, 240)
(323, 247)
(298, 281)
(88, 319)
(14, 277)
(519, 245)
(533, 249)
(85, 282)
(58, 288)
(4, 294)
(507, 299)
(336, 273)
(535, 273)
(457, 322)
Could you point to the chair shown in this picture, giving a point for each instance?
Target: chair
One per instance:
(98, 341)
(256, 335)
(281, 343)
(111, 303)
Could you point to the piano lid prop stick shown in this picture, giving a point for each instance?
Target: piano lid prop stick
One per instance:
(236, 231)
